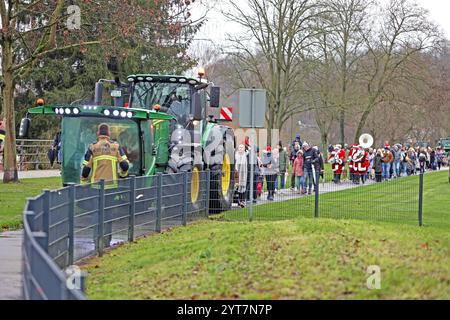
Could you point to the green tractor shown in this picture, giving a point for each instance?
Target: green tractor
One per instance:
(162, 122)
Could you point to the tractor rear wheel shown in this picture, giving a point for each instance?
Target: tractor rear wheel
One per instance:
(222, 186)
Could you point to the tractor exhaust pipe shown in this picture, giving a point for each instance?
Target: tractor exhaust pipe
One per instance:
(98, 93)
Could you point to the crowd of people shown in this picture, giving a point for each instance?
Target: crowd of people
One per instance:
(273, 165)
(383, 163)
(303, 163)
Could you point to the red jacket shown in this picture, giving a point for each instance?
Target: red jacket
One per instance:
(298, 167)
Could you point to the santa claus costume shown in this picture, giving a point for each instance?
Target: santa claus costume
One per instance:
(351, 162)
(337, 160)
(362, 166)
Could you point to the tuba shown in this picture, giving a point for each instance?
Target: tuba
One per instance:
(358, 156)
(366, 141)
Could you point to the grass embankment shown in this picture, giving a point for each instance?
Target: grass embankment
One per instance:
(293, 259)
(13, 198)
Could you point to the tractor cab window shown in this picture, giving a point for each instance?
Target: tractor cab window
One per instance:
(174, 98)
(80, 132)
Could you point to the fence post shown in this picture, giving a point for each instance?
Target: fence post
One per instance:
(83, 278)
(41, 238)
(46, 219)
(132, 209)
(71, 219)
(316, 194)
(101, 217)
(185, 198)
(421, 199)
(208, 189)
(159, 187)
(27, 254)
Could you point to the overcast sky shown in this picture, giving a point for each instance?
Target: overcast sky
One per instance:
(215, 29)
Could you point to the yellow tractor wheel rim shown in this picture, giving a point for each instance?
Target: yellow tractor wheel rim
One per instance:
(195, 185)
(226, 175)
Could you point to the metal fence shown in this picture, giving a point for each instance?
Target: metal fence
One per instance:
(324, 196)
(33, 154)
(64, 226)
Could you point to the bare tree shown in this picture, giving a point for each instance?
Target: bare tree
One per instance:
(276, 36)
(404, 31)
(345, 22)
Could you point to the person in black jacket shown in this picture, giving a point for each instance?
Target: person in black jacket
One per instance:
(311, 165)
(378, 165)
(256, 170)
(321, 162)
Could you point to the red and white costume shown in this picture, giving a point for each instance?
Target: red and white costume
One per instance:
(337, 160)
(351, 156)
(360, 161)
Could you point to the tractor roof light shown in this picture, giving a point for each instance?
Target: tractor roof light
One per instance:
(76, 111)
(201, 72)
(106, 112)
(123, 114)
(130, 79)
(68, 111)
(129, 115)
(40, 102)
(116, 113)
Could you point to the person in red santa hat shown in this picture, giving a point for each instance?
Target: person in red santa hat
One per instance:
(352, 164)
(362, 165)
(337, 160)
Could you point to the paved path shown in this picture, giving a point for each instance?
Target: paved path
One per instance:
(10, 265)
(325, 187)
(36, 174)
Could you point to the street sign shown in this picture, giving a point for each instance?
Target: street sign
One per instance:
(226, 114)
(252, 108)
(445, 143)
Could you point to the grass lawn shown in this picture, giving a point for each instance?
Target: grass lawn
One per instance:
(301, 258)
(13, 198)
(394, 201)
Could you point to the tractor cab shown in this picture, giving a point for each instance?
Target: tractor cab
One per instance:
(184, 98)
(133, 129)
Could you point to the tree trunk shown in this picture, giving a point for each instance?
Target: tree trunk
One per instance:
(270, 125)
(9, 159)
(324, 138)
(342, 127)
(361, 124)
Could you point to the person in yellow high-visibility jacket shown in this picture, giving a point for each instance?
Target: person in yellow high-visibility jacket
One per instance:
(103, 158)
(101, 162)
(2, 139)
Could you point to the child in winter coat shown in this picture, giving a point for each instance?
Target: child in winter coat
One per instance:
(298, 172)
(378, 166)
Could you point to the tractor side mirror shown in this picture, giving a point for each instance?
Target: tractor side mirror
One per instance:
(113, 65)
(98, 93)
(215, 97)
(24, 128)
(197, 106)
